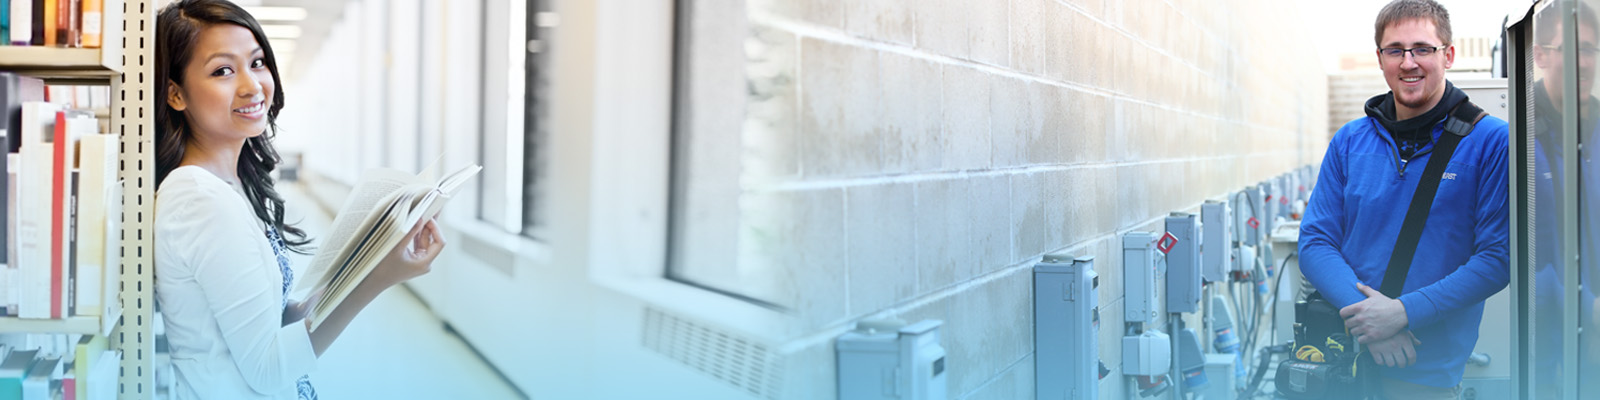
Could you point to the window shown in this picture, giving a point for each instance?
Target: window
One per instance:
(515, 139)
(536, 133)
(715, 99)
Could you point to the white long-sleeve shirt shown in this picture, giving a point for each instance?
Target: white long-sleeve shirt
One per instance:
(220, 290)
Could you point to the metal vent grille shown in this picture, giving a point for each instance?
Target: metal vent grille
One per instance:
(743, 363)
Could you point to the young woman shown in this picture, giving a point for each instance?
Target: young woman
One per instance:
(221, 246)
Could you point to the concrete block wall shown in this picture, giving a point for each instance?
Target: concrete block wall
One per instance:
(916, 157)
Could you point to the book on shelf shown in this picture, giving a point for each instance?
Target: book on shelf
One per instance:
(14, 368)
(34, 212)
(64, 144)
(21, 22)
(53, 270)
(56, 23)
(88, 352)
(41, 379)
(13, 278)
(5, 22)
(99, 218)
(380, 210)
(14, 90)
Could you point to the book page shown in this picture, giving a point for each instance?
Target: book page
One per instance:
(375, 244)
(356, 214)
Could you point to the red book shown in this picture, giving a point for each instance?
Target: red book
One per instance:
(69, 388)
(58, 202)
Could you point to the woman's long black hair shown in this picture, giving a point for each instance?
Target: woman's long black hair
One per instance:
(178, 28)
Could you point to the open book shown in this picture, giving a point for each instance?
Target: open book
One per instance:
(380, 210)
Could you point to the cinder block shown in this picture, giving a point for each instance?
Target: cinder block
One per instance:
(801, 236)
(945, 254)
(1093, 7)
(839, 110)
(1058, 47)
(770, 141)
(991, 222)
(942, 27)
(989, 328)
(1016, 121)
(1132, 200)
(880, 228)
(1015, 382)
(1052, 114)
(966, 119)
(1088, 130)
(1057, 194)
(1030, 215)
(824, 12)
(1027, 34)
(811, 372)
(1085, 204)
(886, 20)
(910, 126)
(987, 32)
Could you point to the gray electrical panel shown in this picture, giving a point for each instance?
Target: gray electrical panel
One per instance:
(891, 361)
(1066, 322)
(1183, 264)
(1269, 208)
(1286, 195)
(1215, 240)
(1139, 277)
(1254, 223)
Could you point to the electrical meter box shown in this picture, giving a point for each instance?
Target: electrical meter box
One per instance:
(1286, 196)
(1183, 264)
(1220, 376)
(1139, 277)
(1066, 326)
(1215, 240)
(1269, 208)
(884, 361)
(1253, 230)
(1146, 354)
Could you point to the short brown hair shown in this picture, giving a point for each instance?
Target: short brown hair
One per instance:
(1401, 10)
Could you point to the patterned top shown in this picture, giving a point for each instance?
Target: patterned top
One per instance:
(278, 248)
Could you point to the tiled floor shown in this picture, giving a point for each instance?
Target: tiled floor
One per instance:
(396, 348)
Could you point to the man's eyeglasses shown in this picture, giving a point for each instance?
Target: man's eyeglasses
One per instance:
(1585, 51)
(1395, 54)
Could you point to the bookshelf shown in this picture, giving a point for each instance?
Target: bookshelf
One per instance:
(85, 325)
(125, 63)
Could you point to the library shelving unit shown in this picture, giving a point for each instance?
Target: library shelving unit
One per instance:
(126, 63)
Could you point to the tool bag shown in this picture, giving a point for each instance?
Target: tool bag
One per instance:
(1328, 362)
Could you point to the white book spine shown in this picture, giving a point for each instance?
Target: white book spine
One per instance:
(97, 160)
(12, 160)
(33, 211)
(21, 21)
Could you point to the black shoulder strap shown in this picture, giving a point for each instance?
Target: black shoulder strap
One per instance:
(1460, 122)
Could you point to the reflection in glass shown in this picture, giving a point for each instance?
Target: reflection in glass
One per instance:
(1588, 197)
(1548, 87)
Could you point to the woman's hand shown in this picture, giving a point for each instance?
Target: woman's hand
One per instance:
(412, 257)
(297, 311)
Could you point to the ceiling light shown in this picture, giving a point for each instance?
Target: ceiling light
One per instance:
(277, 13)
(281, 31)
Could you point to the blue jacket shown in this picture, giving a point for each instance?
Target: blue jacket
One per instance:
(1353, 220)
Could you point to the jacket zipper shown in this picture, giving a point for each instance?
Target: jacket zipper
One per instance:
(1399, 165)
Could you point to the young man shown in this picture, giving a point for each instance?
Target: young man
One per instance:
(1421, 339)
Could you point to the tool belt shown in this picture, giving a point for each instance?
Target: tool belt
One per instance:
(1326, 359)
